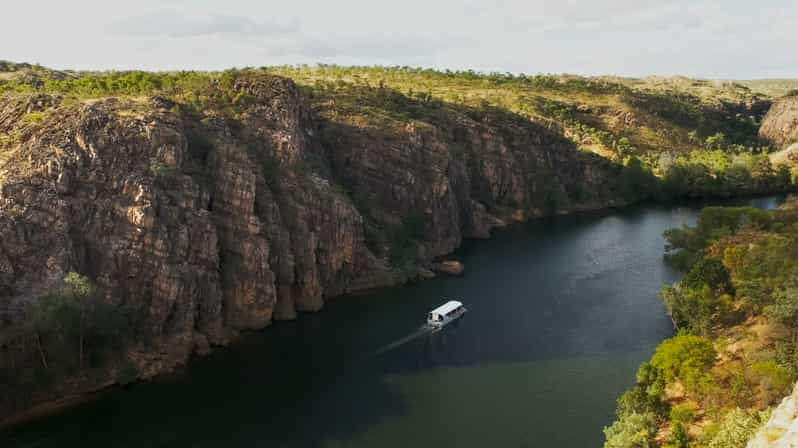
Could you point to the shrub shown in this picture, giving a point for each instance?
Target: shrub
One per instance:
(686, 358)
(695, 310)
(159, 169)
(774, 380)
(32, 117)
(785, 304)
(678, 437)
(710, 272)
(736, 428)
(632, 431)
(682, 413)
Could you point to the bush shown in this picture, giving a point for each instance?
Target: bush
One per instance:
(785, 304)
(695, 310)
(710, 272)
(736, 428)
(774, 380)
(682, 413)
(678, 437)
(632, 431)
(686, 358)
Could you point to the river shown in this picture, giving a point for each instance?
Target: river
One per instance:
(561, 312)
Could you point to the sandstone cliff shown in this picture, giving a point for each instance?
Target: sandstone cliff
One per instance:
(781, 430)
(780, 125)
(208, 221)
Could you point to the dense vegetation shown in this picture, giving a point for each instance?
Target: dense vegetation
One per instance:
(617, 115)
(70, 331)
(699, 137)
(667, 138)
(736, 312)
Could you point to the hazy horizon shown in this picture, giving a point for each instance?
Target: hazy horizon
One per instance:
(624, 38)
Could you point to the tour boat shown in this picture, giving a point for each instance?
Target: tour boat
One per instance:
(446, 313)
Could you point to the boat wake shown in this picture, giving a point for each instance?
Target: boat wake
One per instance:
(420, 331)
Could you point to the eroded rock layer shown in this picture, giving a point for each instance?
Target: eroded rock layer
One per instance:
(208, 224)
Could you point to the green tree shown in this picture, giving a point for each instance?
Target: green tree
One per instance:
(686, 358)
(678, 437)
(785, 304)
(78, 291)
(710, 272)
(736, 428)
(633, 431)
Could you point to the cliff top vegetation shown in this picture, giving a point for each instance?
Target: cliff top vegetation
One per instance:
(736, 312)
(612, 116)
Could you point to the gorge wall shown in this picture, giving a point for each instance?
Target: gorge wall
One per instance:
(208, 222)
(781, 429)
(780, 124)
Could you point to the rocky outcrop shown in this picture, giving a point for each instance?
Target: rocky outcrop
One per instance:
(781, 430)
(211, 223)
(780, 125)
(450, 267)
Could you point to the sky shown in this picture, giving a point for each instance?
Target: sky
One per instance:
(728, 39)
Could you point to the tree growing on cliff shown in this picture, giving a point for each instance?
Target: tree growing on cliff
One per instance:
(632, 431)
(75, 318)
(685, 358)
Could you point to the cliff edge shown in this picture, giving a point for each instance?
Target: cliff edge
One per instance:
(207, 217)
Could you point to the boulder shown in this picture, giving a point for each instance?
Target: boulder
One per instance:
(450, 267)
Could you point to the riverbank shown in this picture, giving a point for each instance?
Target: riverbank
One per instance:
(581, 292)
(195, 207)
(48, 408)
(733, 359)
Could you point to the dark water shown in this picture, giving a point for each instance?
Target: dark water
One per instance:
(562, 311)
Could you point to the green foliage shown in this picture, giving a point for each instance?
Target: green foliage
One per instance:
(638, 182)
(678, 437)
(695, 310)
(682, 413)
(71, 328)
(645, 397)
(33, 117)
(774, 380)
(632, 431)
(741, 262)
(685, 358)
(787, 355)
(684, 247)
(721, 173)
(784, 307)
(709, 272)
(160, 169)
(736, 429)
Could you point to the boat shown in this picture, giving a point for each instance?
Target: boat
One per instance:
(446, 313)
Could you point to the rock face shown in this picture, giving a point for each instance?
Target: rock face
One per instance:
(781, 430)
(209, 225)
(780, 125)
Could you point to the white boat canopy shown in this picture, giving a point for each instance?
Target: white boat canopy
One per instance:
(447, 308)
